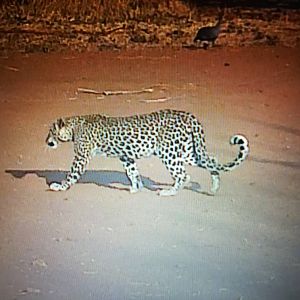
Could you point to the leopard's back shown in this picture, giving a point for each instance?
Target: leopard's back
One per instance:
(136, 136)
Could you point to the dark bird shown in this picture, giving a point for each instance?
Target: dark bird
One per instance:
(209, 34)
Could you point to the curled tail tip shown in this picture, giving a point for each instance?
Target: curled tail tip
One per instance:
(239, 139)
(243, 144)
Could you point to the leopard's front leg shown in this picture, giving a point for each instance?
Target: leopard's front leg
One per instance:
(77, 169)
(132, 173)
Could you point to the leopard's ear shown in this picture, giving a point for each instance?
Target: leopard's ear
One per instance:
(60, 123)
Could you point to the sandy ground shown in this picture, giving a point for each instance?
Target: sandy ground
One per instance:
(98, 241)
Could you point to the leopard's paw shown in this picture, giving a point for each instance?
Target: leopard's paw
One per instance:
(55, 186)
(168, 192)
(137, 186)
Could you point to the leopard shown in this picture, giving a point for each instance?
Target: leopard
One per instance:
(176, 137)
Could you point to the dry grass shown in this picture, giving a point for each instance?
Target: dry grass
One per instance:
(80, 25)
(90, 10)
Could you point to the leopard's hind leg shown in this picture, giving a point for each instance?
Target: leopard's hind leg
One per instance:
(177, 170)
(215, 182)
(210, 164)
(132, 173)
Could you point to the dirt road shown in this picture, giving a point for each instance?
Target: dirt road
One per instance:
(98, 241)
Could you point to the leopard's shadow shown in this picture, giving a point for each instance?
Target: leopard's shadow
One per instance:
(104, 178)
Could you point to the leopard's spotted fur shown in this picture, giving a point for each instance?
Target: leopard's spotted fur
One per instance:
(176, 137)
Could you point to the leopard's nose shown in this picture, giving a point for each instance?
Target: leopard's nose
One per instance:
(51, 144)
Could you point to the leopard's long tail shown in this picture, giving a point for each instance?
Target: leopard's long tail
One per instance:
(243, 144)
(203, 160)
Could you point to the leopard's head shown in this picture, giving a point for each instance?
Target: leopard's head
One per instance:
(58, 132)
